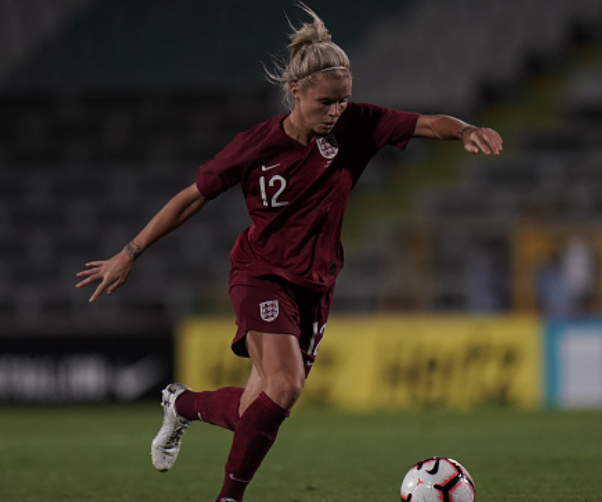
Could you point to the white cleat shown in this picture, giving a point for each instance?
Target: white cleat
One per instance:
(166, 445)
(227, 500)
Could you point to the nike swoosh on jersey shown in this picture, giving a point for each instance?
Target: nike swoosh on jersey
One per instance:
(267, 168)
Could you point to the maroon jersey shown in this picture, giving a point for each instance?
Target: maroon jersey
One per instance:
(297, 194)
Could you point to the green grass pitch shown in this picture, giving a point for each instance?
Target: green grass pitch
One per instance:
(101, 454)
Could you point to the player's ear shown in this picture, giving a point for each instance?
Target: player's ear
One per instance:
(295, 90)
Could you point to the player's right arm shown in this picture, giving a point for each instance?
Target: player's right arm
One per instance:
(113, 272)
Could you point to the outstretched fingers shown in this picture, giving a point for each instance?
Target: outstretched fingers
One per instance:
(108, 283)
(111, 274)
(92, 273)
(99, 290)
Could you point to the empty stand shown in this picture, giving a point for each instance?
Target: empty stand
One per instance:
(82, 171)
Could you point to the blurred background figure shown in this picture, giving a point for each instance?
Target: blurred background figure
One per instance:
(487, 279)
(553, 296)
(567, 281)
(579, 266)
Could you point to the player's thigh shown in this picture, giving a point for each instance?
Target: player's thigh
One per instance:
(279, 362)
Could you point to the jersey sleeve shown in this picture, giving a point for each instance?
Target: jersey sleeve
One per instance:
(392, 127)
(223, 171)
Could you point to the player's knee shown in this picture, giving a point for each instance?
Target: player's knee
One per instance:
(286, 391)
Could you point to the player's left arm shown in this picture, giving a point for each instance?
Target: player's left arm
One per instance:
(475, 139)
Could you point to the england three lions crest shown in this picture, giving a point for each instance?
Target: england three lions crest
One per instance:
(328, 146)
(269, 310)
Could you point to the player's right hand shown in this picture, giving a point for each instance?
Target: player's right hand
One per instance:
(111, 273)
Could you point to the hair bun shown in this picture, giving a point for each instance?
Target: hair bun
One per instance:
(310, 51)
(308, 34)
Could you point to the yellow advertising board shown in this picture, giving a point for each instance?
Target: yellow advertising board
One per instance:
(391, 362)
(204, 360)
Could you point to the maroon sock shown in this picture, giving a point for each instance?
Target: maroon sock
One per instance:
(253, 438)
(218, 407)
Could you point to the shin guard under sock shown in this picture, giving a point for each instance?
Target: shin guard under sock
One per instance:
(254, 436)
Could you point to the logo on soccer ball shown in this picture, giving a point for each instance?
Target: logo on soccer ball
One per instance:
(269, 310)
(328, 146)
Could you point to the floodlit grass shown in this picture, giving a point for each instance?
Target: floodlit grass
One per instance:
(101, 454)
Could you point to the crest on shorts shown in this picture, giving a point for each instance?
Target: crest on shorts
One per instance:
(328, 146)
(269, 310)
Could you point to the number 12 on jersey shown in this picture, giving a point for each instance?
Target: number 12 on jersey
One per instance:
(274, 180)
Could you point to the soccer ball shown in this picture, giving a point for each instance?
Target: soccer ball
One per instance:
(438, 479)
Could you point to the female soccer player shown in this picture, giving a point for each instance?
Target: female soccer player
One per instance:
(296, 171)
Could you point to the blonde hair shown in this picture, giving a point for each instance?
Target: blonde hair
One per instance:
(311, 52)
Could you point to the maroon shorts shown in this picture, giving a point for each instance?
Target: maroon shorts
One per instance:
(271, 304)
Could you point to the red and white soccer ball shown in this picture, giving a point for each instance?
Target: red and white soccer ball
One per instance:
(438, 479)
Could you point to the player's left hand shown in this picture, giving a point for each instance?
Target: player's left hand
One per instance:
(482, 140)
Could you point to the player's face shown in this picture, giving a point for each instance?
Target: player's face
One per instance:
(319, 107)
